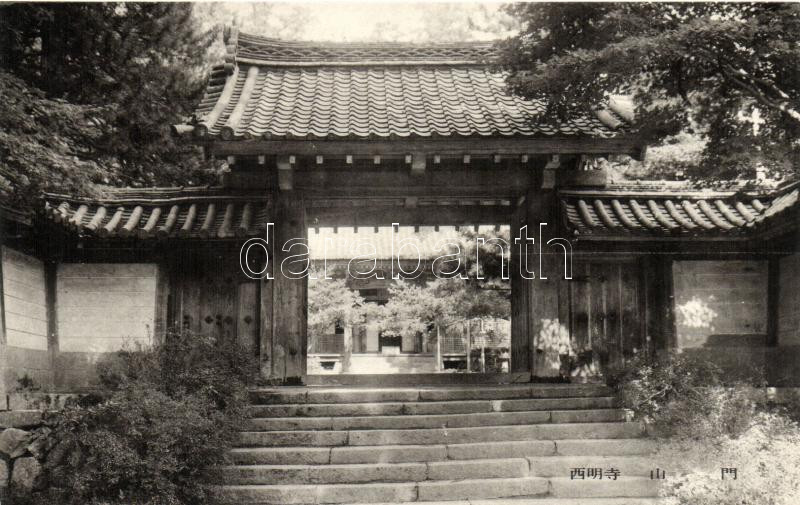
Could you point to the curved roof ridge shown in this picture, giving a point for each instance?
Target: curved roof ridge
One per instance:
(256, 49)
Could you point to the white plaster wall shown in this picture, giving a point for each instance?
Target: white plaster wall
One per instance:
(104, 307)
(720, 303)
(24, 300)
(789, 301)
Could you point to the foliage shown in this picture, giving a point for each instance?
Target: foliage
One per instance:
(46, 144)
(765, 458)
(684, 395)
(476, 290)
(168, 414)
(724, 71)
(115, 75)
(707, 423)
(331, 301)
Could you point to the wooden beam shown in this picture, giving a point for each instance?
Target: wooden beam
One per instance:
(443, 147)
(444, 215)
(440, 182)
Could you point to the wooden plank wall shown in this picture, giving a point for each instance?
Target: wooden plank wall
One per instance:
(606, 317)
(211, 296)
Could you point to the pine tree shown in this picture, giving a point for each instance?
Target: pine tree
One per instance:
(726, 72)
(138, 67)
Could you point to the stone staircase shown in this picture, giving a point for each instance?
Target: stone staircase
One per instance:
(511, 444)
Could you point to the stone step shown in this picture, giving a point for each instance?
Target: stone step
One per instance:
(372, 472)
(547, 501)
(624, 487)
(472, 489)
(441, 452)
(435, 421)
(429, 408)
(309, 395)
(561, 466)
(440, 435)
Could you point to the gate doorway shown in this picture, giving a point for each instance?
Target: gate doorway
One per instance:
(402, 300)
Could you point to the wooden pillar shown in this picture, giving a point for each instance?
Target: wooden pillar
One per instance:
(773, 295)
(265, 317)
(4, 388)
(659, 302)
(289, 295)
(51, 289)
(438, 349)
(520, 328)
(347, 352)
(548, 333)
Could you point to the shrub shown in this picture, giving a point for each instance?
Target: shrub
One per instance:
(765, 458)
(168, 415)
(683, 395)
(708, 422)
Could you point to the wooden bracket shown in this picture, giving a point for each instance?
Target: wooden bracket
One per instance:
(285, 172)
(418, 164)
(553, 162)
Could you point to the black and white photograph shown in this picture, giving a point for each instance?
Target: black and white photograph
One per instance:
(477, 253)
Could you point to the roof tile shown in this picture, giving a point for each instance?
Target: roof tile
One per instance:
(330, 90)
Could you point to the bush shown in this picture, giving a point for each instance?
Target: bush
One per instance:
(765, 458)
(169, 414)
(708, 422)
(682, 395)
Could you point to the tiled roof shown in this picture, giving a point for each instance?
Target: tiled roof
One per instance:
(162, 213)
(628, 211)
(299, 90)
(404, 242)
(618, 211)
(265, 50)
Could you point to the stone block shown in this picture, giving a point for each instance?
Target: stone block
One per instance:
(481, 489)
(281, 456)
(292, 438)
(20, 418)
(25, 473)
(497, 450)
(4, 473)
(477, 469)
(14, 442)
(388, 454)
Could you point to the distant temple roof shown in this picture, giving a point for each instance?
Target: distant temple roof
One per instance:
(275, 89)
(655, 210)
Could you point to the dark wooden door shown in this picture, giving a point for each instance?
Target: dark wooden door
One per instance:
(211, 296)
(606, 323)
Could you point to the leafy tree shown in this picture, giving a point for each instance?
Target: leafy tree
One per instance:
(132, 69)
(478, 291)
(331, 301)
(45, 144)
(724, 71)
